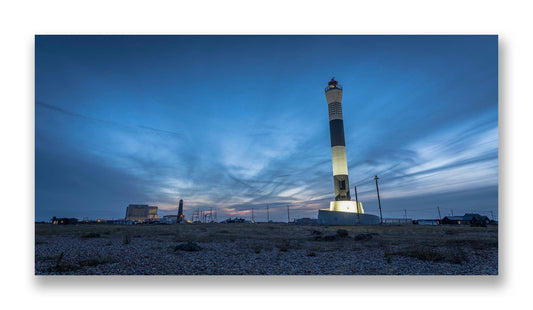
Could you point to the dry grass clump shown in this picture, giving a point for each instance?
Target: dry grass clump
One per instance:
(95, 262)
(363, 237)
(126, 239)
(310, 254)
(60, 266)
(188, 246)
(454, 255)
(342, 233)
(283, 245)
(90, 235)
(475, 244)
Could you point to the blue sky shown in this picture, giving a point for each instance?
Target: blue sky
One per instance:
(239, 122)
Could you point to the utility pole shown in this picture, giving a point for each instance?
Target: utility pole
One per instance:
(253, 221)
(356, 200)
(405, 211)
(379, 201)
(288, 215)
(438, 209)
(268, 215)
(356, 204)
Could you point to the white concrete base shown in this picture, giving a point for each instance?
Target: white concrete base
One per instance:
(346, 206)
(327, 217)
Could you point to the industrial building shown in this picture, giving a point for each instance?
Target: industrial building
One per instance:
(141, 213)
(170, 219)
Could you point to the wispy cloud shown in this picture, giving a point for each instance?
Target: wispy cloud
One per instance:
(220, 126)
(249, 174)
(107, 122)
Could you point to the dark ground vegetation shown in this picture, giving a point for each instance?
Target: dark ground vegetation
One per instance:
(105, 249)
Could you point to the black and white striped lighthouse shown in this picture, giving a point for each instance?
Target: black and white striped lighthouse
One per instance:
(338, 147)
(342, 211)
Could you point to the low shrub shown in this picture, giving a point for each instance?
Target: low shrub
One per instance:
(188, 246)
(457, 256)
(342, 233)
(58, 267)
(284, 245)
(91, 235)
(126, 239)
(424, 254)
(475, 244)
(363, 237)
(95, 262)
(330, 237)
(454, 256)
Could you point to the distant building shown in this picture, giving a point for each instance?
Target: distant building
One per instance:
(306, 221)
(141, 213)
(170, 219)
(467, 219)
(64, 221)
(430, 222)
(235, 220)
(454, 220)
(397, 221)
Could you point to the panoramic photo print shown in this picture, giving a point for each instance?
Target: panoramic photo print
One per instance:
(266, 155)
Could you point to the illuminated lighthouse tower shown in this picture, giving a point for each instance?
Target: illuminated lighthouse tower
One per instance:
(342, 211)
(338, 146)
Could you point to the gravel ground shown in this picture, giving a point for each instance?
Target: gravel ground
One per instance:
(109, 255)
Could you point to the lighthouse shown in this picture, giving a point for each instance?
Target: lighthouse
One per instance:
(338, 145)
(342, 210)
